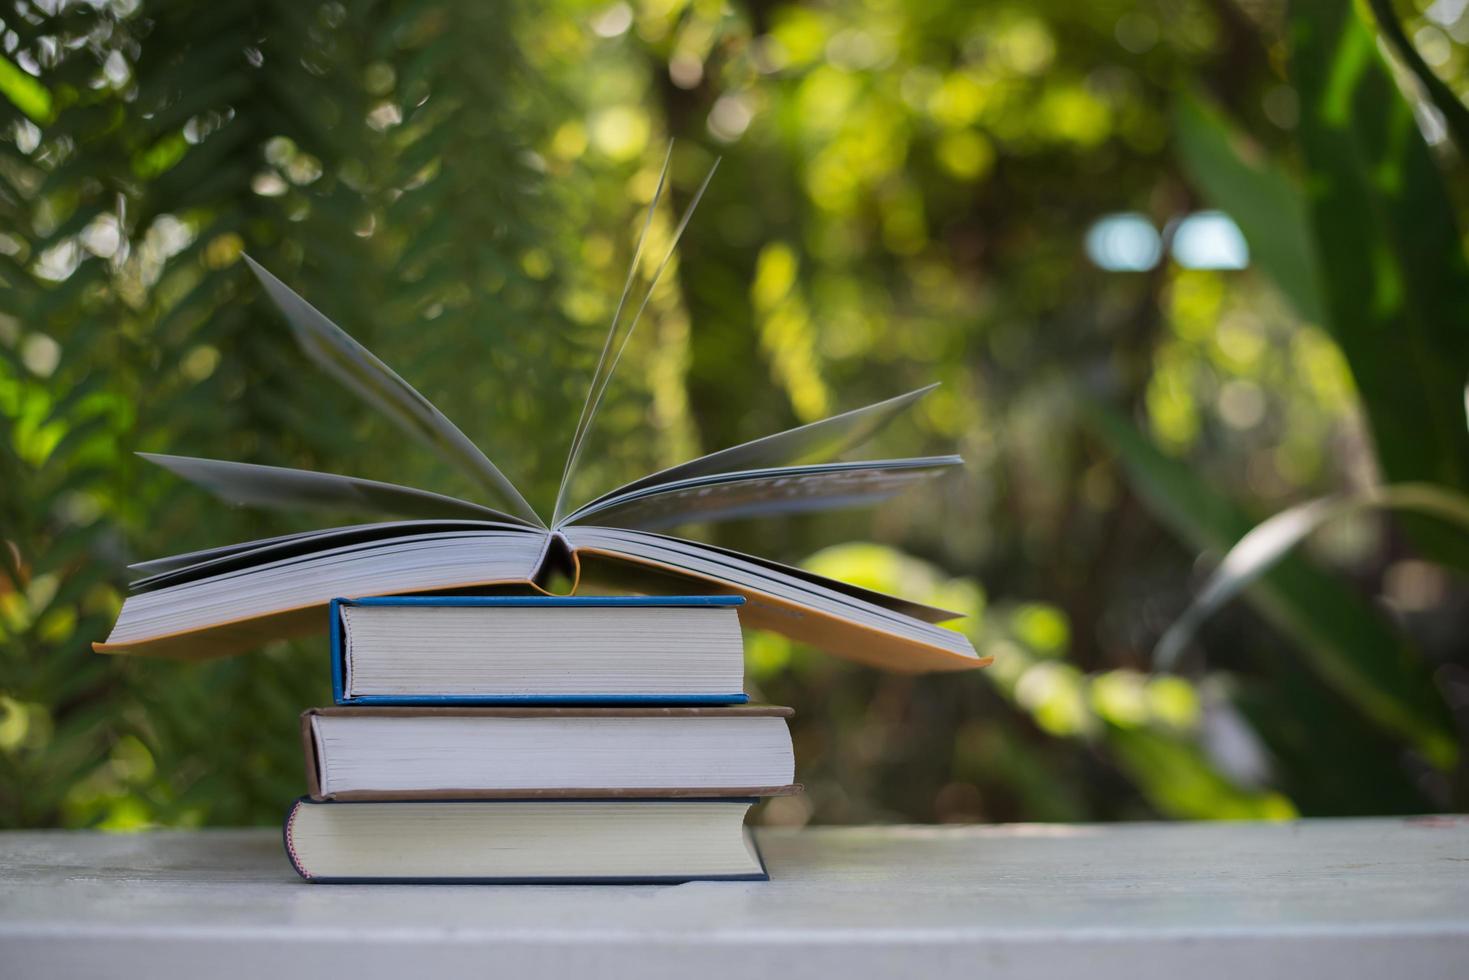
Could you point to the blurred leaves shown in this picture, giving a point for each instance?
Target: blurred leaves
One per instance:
(1367, 240)
(1443, 98)
(903, 199)
(1268, 206)
(127, 322)
(1367, 244)
(1390, 251)
(24, 92)
(1272, 539)
(1151, 726)
(1348, 643)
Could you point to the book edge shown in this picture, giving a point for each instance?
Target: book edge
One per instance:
(531, 700)
(556, 711)
(549, 601)
(779, 615)
(313, 760)
(561, 794)
(310, 754)
(751, 841)
(288, 827)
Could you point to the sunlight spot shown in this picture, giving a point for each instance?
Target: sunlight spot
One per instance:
(1241, 404)
(1119, 697)
(385, 116)
(614, 21)
(620, 132)
(1430, 122)
(200, 363)
(1041, 627)
(685, 70)
(59, 261)
(1124, 242)
(965, 154)
(1210, 240)
(268, 183)
(730, 117)
(102, 237)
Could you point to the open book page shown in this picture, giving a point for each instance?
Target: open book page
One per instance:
(813, 443)
(599, 380)
(800, 607)
(154, 566)
(282, 587)
(375, 383)
(613, 347)
(892, 603)
(234, 610)
(228, 599)
(763, 493)
(167, 572)
(284, 488)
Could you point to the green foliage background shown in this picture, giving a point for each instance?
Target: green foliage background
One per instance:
(903, 197)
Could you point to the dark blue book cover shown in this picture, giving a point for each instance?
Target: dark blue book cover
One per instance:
(339, 650)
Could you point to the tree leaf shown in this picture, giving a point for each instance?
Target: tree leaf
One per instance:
(1456, 115)
(25, 91)
(1267, 204)
(1391, 257)
(1272, 539)
(1346, 642)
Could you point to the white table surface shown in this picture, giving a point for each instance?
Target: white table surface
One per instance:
(1384, 898)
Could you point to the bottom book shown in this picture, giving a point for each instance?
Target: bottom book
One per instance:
(563, 841)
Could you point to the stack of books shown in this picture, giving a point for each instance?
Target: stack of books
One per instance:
(536, 739)
(550, 738)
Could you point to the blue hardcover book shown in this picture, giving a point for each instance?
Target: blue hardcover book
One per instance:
(533, 841)
(536, 650)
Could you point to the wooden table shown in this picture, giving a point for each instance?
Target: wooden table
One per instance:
(1384, 898)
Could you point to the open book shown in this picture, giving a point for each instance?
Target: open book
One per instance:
(229, 599)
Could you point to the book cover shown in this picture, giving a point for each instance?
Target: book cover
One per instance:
(339, 651)
(759, 870)
(310, 752)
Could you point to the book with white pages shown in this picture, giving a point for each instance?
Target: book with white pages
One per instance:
(523, 841)
(230, 599)
(386, 753)
(539, 650)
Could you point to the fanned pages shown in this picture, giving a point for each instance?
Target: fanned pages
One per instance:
(284, 596)
(281, 487)
(155, 566)
(355, 366)
(594, 398)
(800, 607)
(892, 603)
(594, 386)
(233, 598)
(217, 561)
(811, 443)
(764, 493)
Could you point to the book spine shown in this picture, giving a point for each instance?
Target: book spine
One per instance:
(288, 827)
(308, 747)
(338, 648)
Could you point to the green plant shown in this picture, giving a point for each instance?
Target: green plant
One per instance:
(1363, 240)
